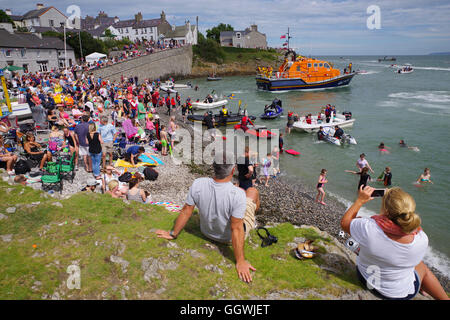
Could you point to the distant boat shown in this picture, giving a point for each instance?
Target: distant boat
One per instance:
(407, 68)
(213, 78)
(387, 59)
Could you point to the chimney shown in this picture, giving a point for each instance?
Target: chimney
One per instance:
(138, 17)
(116, 19)
(163, 16)
(8, 12)
(39, 6)
(254, 27)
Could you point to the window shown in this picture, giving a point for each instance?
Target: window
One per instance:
(137, 31)
(25, 68)
(61, 63)
(309, 65)
(8, 53)
(315, 65)
(51, 23)
(23, 52)
(298, 68)
(126, 30)
(326, 65)
(238, 35)
(43, 66)
(320, 64)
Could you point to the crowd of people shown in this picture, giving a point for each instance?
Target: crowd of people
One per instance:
(104, 113)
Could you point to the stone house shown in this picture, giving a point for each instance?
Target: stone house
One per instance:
(141, 29)
(249, 38)
(186, 34)
(46, 17)
(32, 52)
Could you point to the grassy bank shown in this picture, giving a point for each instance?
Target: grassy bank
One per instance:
(121, 258)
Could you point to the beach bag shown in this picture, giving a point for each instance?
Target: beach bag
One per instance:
(150, 174)
(267, 240)
(126, 177)
(22, 167)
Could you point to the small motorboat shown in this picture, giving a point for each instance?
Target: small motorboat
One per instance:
(167, 89)
(346, 138)
(407, 68)
(231, 119)
(313, 124)
(213, 78)
(209, 105)
(172, 85)
(273, 111)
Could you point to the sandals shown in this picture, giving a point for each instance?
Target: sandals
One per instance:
(305, 250)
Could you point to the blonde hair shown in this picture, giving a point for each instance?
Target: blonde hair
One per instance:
(112, 184)
(92, 128)
(399, 206)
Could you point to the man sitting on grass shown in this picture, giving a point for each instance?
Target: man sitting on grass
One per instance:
(227, 213)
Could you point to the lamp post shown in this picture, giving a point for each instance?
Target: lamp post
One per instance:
(63, 24)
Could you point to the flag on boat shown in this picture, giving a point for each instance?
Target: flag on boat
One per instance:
(283, 36)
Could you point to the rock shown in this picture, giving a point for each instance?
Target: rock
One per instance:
(6, 237)
(11, 210)
(38, 254)
(122, 262)
(2, 216)
(56, 296)
(213, 268)
(171, 244)
(57, 204)
(160, 290)
(196, 254)
(151, 266)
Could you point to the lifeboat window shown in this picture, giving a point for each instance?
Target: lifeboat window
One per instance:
(320, 64)
(326, 65)
(309, 65)
(315, 65)
(298, 68)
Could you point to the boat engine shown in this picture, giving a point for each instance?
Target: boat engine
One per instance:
(347, 114)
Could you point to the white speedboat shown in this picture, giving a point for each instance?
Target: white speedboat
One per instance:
(346, 138)
(171, 85)
(407, 68)
(209, 105)
(339, 119)
(167, 89)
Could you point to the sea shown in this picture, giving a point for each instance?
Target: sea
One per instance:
(387, 107)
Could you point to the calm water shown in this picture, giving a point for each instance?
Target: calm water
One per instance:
(387, 107)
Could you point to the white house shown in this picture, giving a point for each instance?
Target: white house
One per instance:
(186, 34)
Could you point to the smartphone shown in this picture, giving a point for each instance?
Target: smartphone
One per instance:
(378, 193)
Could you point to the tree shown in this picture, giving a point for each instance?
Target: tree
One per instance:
(108, 34)
(5, 18)
(214, 33)
(209, 50)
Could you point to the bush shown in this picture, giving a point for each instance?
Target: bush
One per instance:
(209, 50)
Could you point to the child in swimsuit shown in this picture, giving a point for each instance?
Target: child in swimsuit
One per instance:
(321, 182)
(425, 176)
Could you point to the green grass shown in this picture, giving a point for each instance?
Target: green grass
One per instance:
(246, 55)
(91, 228)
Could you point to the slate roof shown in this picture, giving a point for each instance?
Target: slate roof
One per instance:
(179, 32)
(29, 40)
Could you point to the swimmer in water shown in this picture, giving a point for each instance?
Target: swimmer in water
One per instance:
(321, 182)
(383, 148)
(403, 144)
(425, 176)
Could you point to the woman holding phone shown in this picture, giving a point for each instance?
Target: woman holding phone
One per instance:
(392, 246)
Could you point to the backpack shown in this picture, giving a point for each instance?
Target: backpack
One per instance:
(22, 167)
(150, 174)
(126, 177)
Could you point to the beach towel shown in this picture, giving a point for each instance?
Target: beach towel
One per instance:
(129, 129)
(126, 164)
(150, 159)
(170, 206)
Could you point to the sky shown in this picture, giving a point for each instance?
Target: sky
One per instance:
(317, 27)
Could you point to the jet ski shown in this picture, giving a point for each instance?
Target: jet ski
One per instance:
(273, 111)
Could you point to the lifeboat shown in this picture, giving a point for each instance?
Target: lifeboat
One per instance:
(302, 73)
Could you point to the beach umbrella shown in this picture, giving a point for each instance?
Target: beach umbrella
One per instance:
(12, 68)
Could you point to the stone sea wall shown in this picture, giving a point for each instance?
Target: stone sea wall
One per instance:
(174, 62)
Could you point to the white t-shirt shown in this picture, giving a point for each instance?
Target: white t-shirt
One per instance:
(362, 163)
(217, 203)
(396, 261)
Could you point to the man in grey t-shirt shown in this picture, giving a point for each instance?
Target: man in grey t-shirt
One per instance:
(227, 213)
